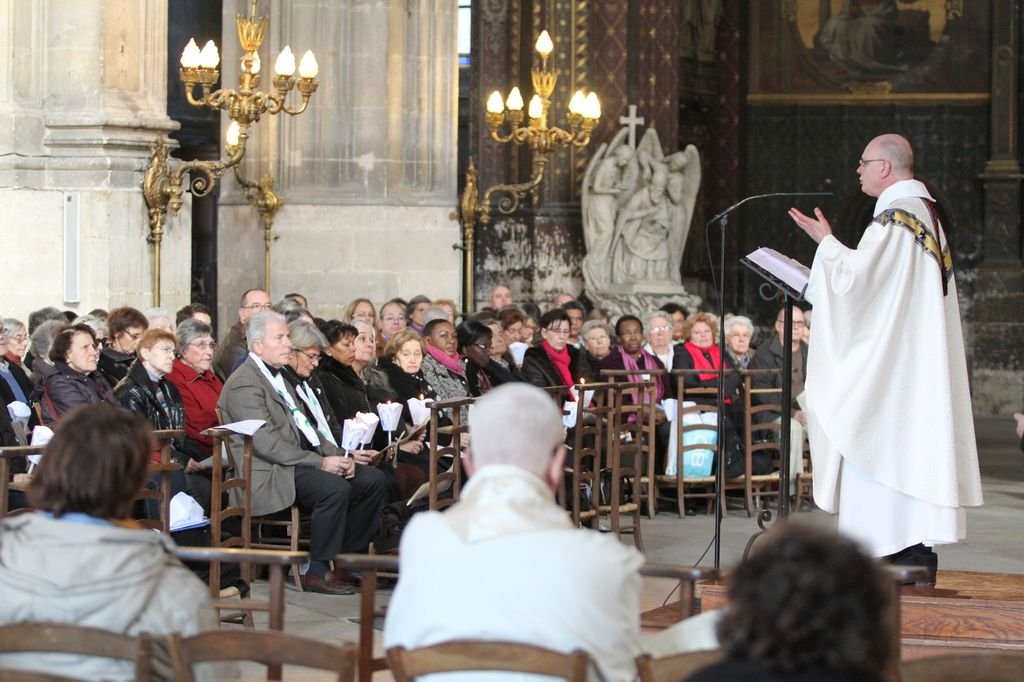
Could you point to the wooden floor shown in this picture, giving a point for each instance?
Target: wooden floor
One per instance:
(965, 611)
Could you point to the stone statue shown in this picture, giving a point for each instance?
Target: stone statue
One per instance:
(637, 205)
(611, 177)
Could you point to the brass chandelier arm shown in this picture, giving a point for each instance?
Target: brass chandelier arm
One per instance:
(514, 192)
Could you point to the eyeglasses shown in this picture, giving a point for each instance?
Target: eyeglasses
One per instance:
(312, 357)
(258, 306)
(864, 162)
(17, 338)
(393, 318)
(486, 349)
(796, 323)
(204, 345)
(660, 328)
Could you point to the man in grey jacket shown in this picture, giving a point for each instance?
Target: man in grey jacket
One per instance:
(297, 462)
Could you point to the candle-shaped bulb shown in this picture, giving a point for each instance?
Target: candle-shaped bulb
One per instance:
(256, 63)
(209, 57)
(285, 64)
(231, 137)
(494, 103)
(190, 55)
(308, 68)
(577, 103)
(514, 101)
(544, 44)
(536, 107)
(592, 108)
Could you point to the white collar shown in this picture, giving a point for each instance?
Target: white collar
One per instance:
(904, 189)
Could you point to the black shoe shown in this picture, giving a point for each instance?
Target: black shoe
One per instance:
(690, 508)
(917, 555)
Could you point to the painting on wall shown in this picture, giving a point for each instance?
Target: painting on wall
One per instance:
(826, 48)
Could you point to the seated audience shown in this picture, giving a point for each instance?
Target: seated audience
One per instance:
(500, 297)
(450, 308)
(525, 574)
(414, 311)
(39, 347)
(13, 375)
(197, 311)
(739, 330)
(596, 341)
(295, 464)
(17, 343)
(679, 316)
(392, 320)
(74, 380)
(402, 362)
(147, 393)
(441, 366)
(499, 349)
(232, 351)
(554, 362)
(360, 309)
(198, 386)
(80, 559)
(474, 343)
(300, 372)
(575, 312)
(124, 329)
(659, 337)
(159, 318)
(806, 605)
(344, 389)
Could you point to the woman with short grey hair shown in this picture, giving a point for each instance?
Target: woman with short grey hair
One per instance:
(597, 340)
(17, 341)
(200, 388)
(739, 330)
(658, 324)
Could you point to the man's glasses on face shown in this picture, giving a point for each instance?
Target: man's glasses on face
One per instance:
(393, 318)
(257, 307)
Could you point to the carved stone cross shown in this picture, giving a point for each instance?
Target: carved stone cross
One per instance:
(633, 121)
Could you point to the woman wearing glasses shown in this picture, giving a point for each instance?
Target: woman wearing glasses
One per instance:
(554, 362)
(125, 327)
(198, 386)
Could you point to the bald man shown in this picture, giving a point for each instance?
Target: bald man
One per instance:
(888, 408)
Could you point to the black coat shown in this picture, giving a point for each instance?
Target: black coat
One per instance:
(113, 365)
(320, 392)
(345, 390)
(495, 373)
(65, 389)
(539, 369)
(135, 393)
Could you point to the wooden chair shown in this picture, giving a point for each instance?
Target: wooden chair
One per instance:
(646, 471)
(984, 666)
(369, 567)
(235, 479)
(804, 481)
(63, 638)
(9, 454)
(164, 439)
(473, 655)
(677, 667)
(629, 451)
(589, 448)
(688, 577)
(450, 480)
(9, 675)
(268, 647)
(760, 437)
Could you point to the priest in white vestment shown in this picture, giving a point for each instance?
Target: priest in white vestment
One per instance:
(889, 410)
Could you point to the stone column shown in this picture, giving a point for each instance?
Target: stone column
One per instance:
(998, 309)
(83, 95)
(367, 173)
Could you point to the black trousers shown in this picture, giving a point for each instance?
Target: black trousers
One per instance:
(345, 511)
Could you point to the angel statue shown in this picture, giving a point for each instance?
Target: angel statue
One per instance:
(610, 179)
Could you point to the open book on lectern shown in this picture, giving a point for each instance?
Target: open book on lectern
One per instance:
(789, 275)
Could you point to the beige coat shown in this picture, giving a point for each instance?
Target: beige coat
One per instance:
(276, 445)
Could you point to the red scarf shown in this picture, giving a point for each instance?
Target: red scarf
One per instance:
(449, 361)
(561, 359)
(700, 361)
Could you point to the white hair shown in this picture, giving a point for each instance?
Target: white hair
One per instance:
(364, 326)
(654, 314)
(516, 424)
(256, 327)
(733, 320)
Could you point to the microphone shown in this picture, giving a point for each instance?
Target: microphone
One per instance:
(765, 196)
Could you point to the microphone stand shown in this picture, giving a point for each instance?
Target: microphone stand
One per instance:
(723, 220)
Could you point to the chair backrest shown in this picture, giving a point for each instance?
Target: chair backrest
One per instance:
(676, 667)
(990, 666)
(264, 646)
(688, 576)
(478, 656)
(589, 446)
(63, 638)
(165, 467)
(705, 399)
(7, 455)
(761, 434)
(450, 480)
(368, 567)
